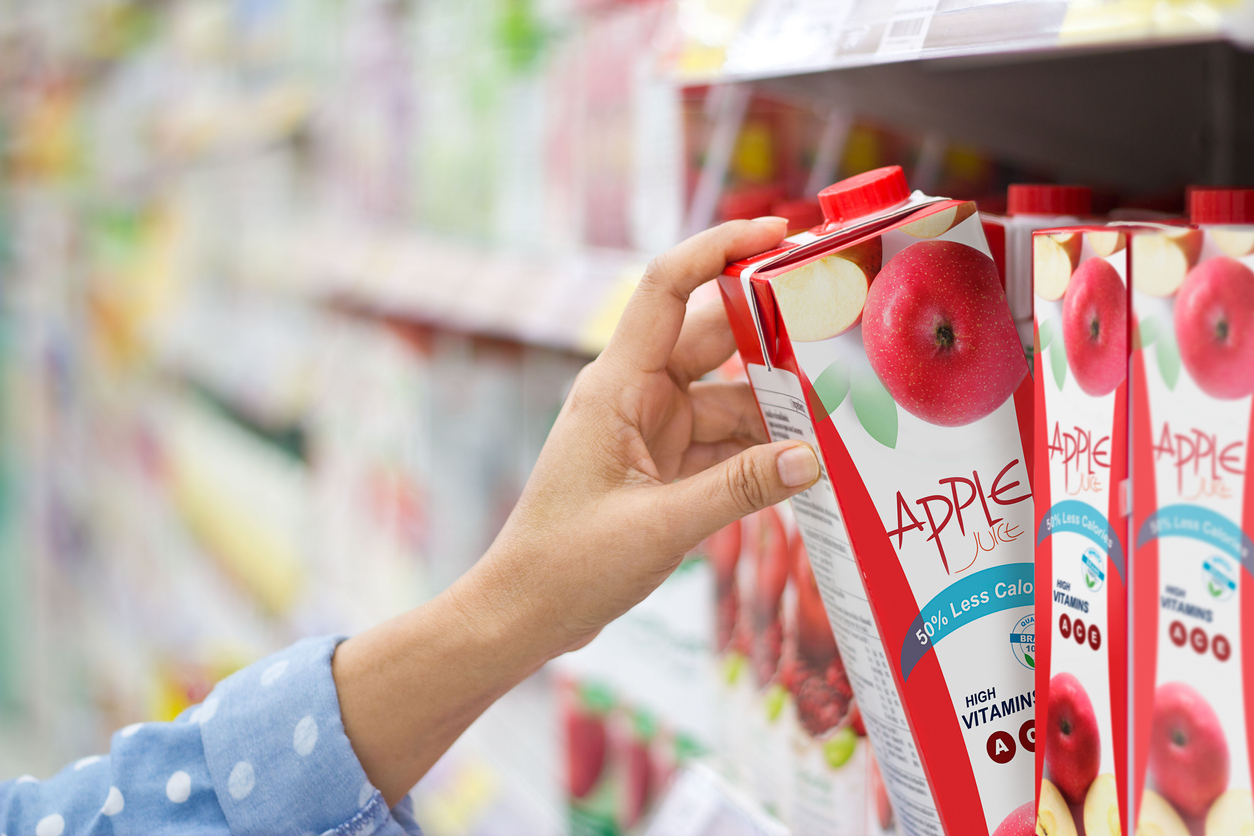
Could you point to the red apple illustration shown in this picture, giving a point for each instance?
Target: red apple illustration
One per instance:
(1095, 327)
(883, 808)
(1072, 745)
(1020, 822)
(639, 789)
(939, 335)
(1215, 327)
(585, 749)
(1188, 753)
(771, 570)
(724, 549)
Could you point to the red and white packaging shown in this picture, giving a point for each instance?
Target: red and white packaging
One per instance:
(766, 571)
(1029, 207)
(883, 339)
(1192, 515)
(829, 757)
(1081, 301)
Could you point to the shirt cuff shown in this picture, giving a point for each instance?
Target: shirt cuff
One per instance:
(278, 756)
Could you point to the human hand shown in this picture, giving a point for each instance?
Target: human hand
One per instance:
(645, 460)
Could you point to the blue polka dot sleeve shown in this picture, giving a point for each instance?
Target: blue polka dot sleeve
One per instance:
(264, 755)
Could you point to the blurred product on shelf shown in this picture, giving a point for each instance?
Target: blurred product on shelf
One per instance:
(1192, 600)
(1081, 305)
(1009, 234)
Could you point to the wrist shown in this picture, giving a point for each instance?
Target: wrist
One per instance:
(512, 595)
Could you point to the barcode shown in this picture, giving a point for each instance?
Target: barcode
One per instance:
(906, 28)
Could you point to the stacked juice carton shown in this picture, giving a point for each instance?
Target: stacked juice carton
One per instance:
(883, 338)
(1144, 372)
(961, 497)
(790, 721)
(1192, 514)
(1081, 324)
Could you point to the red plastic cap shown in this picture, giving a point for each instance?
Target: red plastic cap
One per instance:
(800, 214)
(749, 202)
(1221, 206)
(1040, 199)
(864, 194)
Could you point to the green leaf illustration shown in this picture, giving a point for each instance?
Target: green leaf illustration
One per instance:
(775, 700)
(875, 408)
(1144, 334)
(1058, 361)
(733, 666)
(1168, 357)
(1031, 662)
(1044, 332)
(839, 749)
(832, 386)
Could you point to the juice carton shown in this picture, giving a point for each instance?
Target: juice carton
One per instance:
(883, 338)
(1081, 323)
(1193, 511)
(593, 784)
(1029, 207)
(770, 604)
(829, 757)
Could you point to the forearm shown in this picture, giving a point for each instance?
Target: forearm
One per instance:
(409, 687)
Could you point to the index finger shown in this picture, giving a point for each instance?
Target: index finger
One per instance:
(647, 332)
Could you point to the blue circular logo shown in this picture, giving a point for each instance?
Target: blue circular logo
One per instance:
(1023, 641)
(1221, 577)
(1093, 567)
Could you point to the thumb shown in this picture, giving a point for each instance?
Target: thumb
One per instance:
(756, 478)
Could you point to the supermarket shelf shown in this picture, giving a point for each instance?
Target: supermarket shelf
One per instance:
(1131, 120)
(738, 41)
(570, 301)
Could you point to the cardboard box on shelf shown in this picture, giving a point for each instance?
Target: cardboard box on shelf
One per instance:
(1192, 514)
(884, 339)
(1029, 207)
(1081, 491)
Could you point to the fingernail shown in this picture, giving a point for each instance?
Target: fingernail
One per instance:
(774, 220)
(797, 466)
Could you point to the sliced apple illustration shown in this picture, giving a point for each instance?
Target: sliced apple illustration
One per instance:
(1101, 807)
(1053, 816)
(1054, 257)
(1107, 242)
(1232, 814)
(1161, 261)
(1158, 817)
(824, 298)
(1234, 242)
(938, 223)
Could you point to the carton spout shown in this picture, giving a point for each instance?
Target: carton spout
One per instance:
(864, 194)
